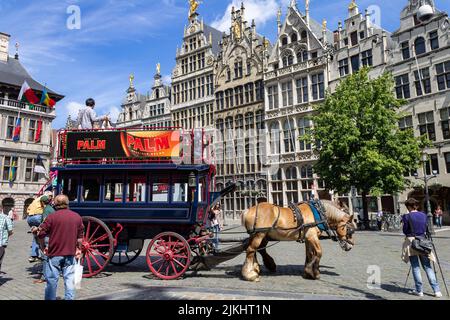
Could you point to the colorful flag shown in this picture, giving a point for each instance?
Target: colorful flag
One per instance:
(27, 95)
(37, 138)
(39, 166)
(17, 129)
(12, 170)
(46, 100)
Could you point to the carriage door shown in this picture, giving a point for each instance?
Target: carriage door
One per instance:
(202, 209)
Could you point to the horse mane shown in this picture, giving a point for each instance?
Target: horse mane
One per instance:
(333, 212)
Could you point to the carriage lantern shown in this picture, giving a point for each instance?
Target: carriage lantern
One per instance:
(192, 180)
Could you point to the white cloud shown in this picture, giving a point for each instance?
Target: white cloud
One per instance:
(113, 112)
(72, 109)
(260, 10)
(167, 79)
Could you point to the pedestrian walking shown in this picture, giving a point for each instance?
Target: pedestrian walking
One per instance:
(65, 231)
(215, 218)
(48, 210)
(87, 116)
(438, 216)
(380, 220)
(415, 225)
(35, 212)
(6, 230)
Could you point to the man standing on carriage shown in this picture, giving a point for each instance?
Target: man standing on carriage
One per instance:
(87, 116)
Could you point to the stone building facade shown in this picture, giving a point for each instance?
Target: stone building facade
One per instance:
(239, 113)
(132, 108)
(193, 76)
(157, 107)
(296, 79)
(420, 64)
(22, 154)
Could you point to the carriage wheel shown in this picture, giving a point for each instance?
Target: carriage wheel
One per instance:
(168, 256)
(97, 248)
(121, 258)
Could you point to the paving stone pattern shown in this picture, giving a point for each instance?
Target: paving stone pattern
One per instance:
(344, 275)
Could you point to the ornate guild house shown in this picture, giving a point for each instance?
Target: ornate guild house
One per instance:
(193, 75)
(259, 98)
(239, 113)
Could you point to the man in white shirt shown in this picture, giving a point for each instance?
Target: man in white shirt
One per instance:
(87, 116)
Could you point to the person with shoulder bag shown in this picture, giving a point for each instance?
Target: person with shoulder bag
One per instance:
(417, 249)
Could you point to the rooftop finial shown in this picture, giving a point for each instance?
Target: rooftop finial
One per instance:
(131, 80)
(193, 6)
(17, 51)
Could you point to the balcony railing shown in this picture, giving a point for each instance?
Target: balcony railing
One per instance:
(302, 66)
(24, 106)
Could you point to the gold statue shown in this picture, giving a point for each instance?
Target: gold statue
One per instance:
(352, 5)
(237, 29)
(193, 6)
(131, 80)
(158, 68)
(324, 25)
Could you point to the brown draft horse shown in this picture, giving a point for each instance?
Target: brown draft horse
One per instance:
(267, 222)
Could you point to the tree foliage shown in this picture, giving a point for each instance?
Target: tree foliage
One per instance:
(361, 144)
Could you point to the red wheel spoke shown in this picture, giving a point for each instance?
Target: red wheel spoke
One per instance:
(99, 245)
(160, 267)
(156, 261)
(179, 256)
(167, 269)
(96, 261)
(100, 254)
(101, 238)
(173, 267)
(179, 263)
(93, 234)
(88, 229)
(88, 260)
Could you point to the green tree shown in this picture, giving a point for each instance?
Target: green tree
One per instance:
(361, 144)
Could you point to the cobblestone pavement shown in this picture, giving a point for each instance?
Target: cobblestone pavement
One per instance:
(344, 275)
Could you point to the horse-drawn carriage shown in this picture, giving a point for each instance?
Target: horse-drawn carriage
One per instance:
(134, 185)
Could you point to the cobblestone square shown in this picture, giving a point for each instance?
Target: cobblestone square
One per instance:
(344, 275)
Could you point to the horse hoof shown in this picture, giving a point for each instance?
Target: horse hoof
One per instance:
(257, 279)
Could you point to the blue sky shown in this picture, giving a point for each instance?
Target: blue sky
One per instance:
(119, 37)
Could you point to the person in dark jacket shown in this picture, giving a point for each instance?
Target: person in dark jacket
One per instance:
(415, 224)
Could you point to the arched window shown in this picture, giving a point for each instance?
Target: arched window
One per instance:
(289, 136)
(288, 60)
(284, 41)
(220, 130)
(294, 37)
(419, 45)
(275, 143)
(239, 126)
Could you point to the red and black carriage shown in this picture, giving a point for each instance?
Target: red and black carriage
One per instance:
(134, 185)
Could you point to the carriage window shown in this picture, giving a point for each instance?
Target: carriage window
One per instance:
(136, 188)
(180, 191)
(113, 189)
(91, 190)
(202, 190)
(160, 190)
(70, 187)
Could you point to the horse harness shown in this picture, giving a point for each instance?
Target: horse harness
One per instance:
(321, 220)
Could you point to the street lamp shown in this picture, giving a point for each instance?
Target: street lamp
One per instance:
(425, 179)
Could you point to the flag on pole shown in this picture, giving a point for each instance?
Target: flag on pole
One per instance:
(17, 129)
(12, 170)
(37, 137)
(39, 166)
(27, 95)
(46, 100)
